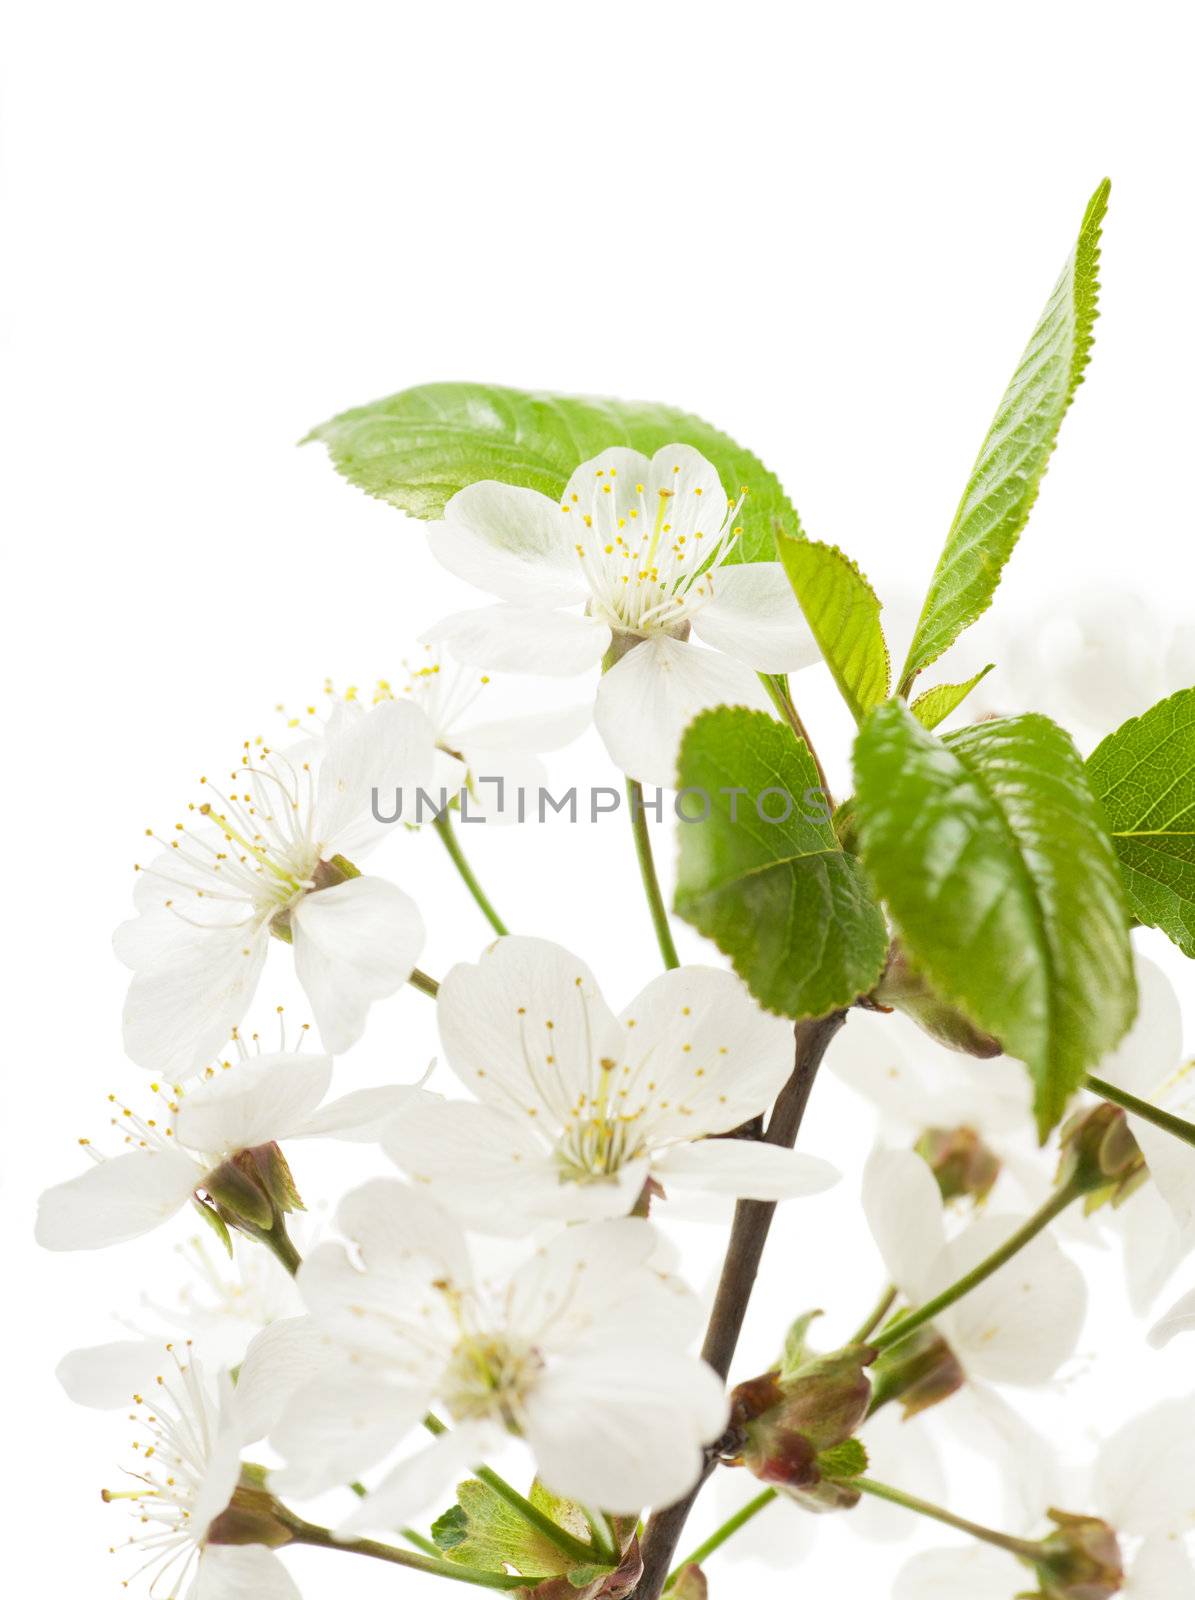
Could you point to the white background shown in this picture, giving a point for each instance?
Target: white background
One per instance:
(829, 229)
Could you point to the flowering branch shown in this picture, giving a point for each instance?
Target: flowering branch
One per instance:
(748, 1235)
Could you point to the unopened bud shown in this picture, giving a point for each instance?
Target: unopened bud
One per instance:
(905, 989)
(964, 1166)
(690, 1584)
(1080, 1560)
(1100, 1157)
(920, 1371)
(788, 1422)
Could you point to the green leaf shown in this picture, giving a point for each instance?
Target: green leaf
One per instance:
(482, 1530)
(936, 704)
(794, 913)
(417, 448)
(843, 613)
(1008, 472)
(216, 1223)
(1144, 774)
(992, 855)
(845, 1460)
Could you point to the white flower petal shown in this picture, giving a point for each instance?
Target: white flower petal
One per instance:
(537, 733)
(355, 943)
(1161, 1570)
(256, 1101)
(903, 1207)
(754, 617)
(420, 1481)
(396, 1229)
(391, 747)
(1144, 1471)
(1154, 1044)
(600, 1284)
(647, 700)
(508, 638)
(243, 1572)
(514, 543)
(1153, 1245)
(362, 1116)
(744, 1168)
(108, 1376)
(280, 1360)
(623, 1428)
(1030, 1471)
(977, 1571)
(526, 1028)
(483, 1164)
(1179, 1319)
(704, 1057)
(181, 1009)
(116, 1200)
(1022, 1323)
(342, 1423)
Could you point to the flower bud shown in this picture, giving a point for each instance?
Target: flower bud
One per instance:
(1080, 1560)
(1100, 1157)
(906, 990)
(690, 1584)
(920, 1371)
(788, 1421)
(964, 1166)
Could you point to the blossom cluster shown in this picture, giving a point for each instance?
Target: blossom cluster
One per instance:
(505, 1272)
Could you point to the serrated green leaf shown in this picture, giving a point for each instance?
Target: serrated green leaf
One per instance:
(482, 1530)
(415, 449)
(1008, 472)
(936, 704)
(992, 855)
(1144, 774)
(794, 914)
(843, 613)
(845, 1460)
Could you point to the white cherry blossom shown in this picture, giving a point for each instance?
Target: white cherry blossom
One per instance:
(646, 547)
(243, 1106)
(577, 1108)
(581, 1352)
(190, 1434)
(275, 855)
(1139, 1483)
(1016, 1327)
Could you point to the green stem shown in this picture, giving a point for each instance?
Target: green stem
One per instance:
(425, 985)
(602, 1534)
(277, 1241)
(580, 1552)
(779, 694)
(1178, 1126)
(720, 1535)
(1041, 1218)
(883, 1307)
(647, 871)
(897, 1497)
(443, 826)
(323, 1539)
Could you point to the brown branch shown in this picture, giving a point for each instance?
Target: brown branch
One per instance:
(748, 1235)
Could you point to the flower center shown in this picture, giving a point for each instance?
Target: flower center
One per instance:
(489, 1376)
(649, 555)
